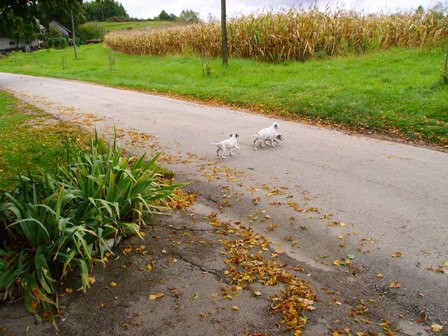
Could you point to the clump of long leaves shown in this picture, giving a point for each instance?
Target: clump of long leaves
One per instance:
(52, 224)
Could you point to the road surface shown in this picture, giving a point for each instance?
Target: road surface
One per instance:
(321, 196)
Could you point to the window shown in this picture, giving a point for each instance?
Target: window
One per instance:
(11, 43)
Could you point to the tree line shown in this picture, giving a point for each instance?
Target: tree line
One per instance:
(23, 20)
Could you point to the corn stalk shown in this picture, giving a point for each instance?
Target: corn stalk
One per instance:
(291, 35)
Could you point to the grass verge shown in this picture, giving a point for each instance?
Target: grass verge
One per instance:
(399, 92)
(128, 25)
(30, 140)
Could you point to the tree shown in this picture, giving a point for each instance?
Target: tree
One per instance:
(164, 16)
(101, 10)
(188, 16)
(420, 10)
(59, 10)
(20, 19)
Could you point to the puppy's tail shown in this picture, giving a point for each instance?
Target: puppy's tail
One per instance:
(214, 143)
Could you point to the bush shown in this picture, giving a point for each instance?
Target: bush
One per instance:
(90, 31)
(56, 42)
(51, 224)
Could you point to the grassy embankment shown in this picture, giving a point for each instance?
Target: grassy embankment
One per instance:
(132, 25)
(30, 140)
(398, 92)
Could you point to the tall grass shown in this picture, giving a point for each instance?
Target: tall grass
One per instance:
(295, 34)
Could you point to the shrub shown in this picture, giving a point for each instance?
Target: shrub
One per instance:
(52, 224)
(56, 42)
(90, 31)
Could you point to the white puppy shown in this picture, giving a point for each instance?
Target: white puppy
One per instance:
(267, 135)
(272, 140)
(229, 144)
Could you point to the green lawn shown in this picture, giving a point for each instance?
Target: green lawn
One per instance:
(397, 92)
(114, 26)
(28, 141)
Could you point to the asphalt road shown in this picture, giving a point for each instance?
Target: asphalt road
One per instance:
(320, 195)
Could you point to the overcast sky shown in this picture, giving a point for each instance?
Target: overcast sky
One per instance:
(144, 9)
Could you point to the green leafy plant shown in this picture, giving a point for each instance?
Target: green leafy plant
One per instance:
(90, 30)
(52, 224)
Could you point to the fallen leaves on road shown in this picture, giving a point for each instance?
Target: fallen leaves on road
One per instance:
(156, 296)
(395, 285)
(250, 261)
(182, 200)
(437, 327)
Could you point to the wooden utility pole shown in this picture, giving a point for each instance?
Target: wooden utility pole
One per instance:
(225, 49)
(74, 37)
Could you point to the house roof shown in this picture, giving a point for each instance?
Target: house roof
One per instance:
(62, 29)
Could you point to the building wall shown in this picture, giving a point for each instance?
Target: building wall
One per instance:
(9, 44)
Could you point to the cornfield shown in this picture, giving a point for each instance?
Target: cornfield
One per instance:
(294, 34)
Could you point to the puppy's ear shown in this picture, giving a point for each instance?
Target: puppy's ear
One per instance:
(231, 135)
(236, 135)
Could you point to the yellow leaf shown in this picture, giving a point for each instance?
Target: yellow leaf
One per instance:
(379, 275)
(397, 254)
(69, 290)
(337, 262)
(113, 284)
(235, 308)
(437, 327)
(342, 224)
(175, 293)
(395, 285)
(156, 296)
(445, 264)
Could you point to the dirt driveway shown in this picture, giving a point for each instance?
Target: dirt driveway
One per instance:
(363, 222)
